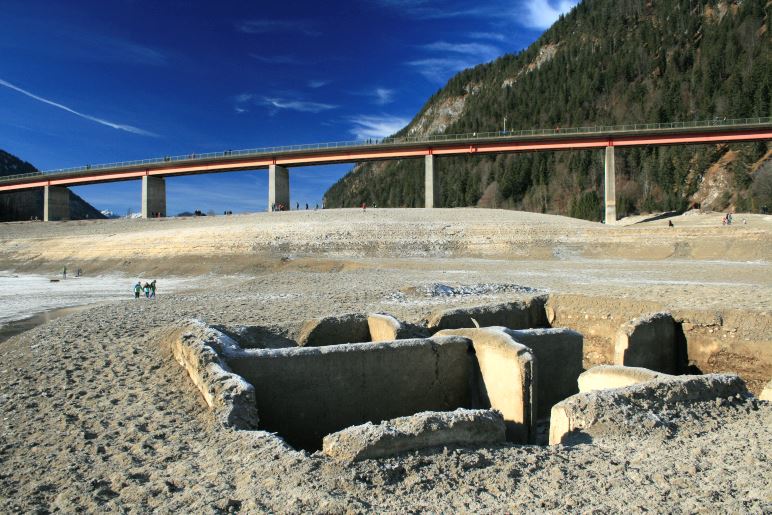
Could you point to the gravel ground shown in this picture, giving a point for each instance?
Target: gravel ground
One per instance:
(95, 417)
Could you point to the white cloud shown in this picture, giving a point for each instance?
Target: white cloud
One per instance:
(493, 36)
(454, 57)
(316, 84)
(302, 106)
(440, 69)
(276, 59)
(536, 14)
(119, 126)
(477, 49)
(268, 26)
(375, 127)
(540, 14)
(383, 96)
(433, 10)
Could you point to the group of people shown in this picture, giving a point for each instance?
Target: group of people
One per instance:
(148, 288)
(277, 206)
(727, 220)
(78, 272)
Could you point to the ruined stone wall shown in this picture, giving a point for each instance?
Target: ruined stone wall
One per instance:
(716, 341)
(306, 393)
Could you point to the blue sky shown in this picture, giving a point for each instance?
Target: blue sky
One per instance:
(93, 81)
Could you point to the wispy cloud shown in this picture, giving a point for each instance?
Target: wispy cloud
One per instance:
(67, 42)
(269, 26)
(493, 36)
(119, 126)
(477, 49)
(302, 106)
(276, 59)
(378, 95)
(535, 14)
(383, 96)
(440, 69)
(131, 52)
(540, 14)
(435, 9)
(316, 84)
(376, 126)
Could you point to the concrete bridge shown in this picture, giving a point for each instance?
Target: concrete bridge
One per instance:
(278, 160)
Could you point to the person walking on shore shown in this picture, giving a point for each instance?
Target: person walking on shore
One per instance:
(137, 290)
(64, 273)
(152, 289)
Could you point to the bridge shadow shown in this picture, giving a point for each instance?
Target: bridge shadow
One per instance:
(661, 216)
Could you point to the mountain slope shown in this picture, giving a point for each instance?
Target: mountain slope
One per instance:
(607, 62)
(24, 205)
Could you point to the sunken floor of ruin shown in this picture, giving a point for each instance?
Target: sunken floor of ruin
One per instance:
(368, 385)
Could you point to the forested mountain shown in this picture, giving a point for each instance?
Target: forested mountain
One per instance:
(607, 62)
(24, 205)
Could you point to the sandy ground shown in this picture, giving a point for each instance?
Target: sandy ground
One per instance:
(96, 417)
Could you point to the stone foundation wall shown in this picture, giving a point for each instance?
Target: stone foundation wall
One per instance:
(637, 406)
(306, 393)
(504, 378)
(196, 348)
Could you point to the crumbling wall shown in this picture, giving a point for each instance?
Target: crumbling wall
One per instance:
(307, 392)
(649, 342)
(196, 347)
(558, 353)
(513, 315)
(606, 377)
(427, 429)
(385, 328)
(766, 393)
(334, 330)
(636, 407)
(504, 378)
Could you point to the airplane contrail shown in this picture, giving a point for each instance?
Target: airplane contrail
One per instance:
(119, 126)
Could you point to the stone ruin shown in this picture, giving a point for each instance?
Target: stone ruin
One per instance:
(366, 386)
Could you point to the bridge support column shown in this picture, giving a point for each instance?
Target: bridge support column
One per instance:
(431, 183)
(153, 196)
(610, 187)
(278, 186)
(56, 203)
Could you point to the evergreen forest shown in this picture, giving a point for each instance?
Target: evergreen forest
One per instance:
(607, 62)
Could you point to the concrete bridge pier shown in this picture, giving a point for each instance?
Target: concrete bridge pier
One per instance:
(153, 196)
(610, 187)
(56, 203)
(278, 186)
(431, 183)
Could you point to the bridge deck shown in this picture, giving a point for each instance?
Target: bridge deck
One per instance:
(713, 131)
